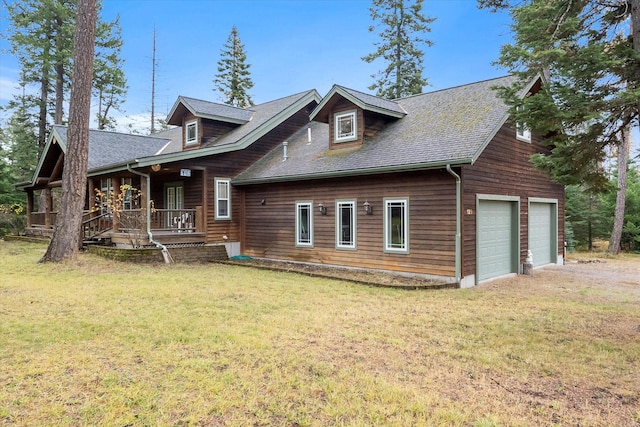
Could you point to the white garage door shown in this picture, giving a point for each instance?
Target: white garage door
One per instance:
(497, 238)
(542, 233)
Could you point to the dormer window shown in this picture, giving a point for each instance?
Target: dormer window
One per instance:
(191, 133)
(345, 126)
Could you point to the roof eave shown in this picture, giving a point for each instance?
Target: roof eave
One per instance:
(368, 107)
(354, 172)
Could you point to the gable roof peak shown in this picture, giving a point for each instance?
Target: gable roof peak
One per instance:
(365, 101)
(207, 110)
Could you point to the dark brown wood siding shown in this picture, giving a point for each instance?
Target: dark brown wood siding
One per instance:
(504, 169)
(228, 165)
(269, 229)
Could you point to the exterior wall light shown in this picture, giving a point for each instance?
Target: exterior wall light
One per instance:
(322, 209)
(367, 208)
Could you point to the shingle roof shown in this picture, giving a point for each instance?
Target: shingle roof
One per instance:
(363, 100)
(212, 110)
(447, 126)
(107, 148)
(262, 113)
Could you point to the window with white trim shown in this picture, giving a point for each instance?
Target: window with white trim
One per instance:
(522, 133)
(346, 224)
(191, 133)
(223, 198)
(345, 126)
(304, 224)
(396, 225)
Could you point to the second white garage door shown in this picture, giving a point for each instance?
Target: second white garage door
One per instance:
(542, 232)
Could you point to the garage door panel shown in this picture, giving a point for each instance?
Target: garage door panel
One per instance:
(542, 232)
(496, 227)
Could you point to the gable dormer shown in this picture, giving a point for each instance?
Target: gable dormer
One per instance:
(203, 122)
(353, 116)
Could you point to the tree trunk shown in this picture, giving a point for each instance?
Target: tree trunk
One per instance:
(618, 217)
(66, 236)
(57, 118)
(59, 68)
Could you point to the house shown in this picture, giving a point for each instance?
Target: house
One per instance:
(438, 184)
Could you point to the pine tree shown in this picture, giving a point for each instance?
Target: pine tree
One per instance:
(109, 81)
(41, 36)
(233, 78)
(401, 38)
(587, 53)
(20, 134)
(65, 240)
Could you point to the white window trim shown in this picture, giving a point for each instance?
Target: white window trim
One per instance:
(226, 181)
(354, 118)
(522, 133)
(309, 205)
(187, 141)
(405, 219)
(354, 216)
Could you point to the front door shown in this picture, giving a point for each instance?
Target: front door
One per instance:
(173, 202)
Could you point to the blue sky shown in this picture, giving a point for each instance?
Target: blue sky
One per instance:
(292, 46)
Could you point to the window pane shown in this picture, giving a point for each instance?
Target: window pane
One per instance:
(223, 208)
(223, 190)
(346, 126)
(346, 224)
(304, 225)
(396, 234)
(192, 132)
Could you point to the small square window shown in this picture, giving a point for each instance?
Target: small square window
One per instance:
(191, 133)
(345, 127)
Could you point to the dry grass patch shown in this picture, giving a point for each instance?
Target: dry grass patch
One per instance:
(96, 342)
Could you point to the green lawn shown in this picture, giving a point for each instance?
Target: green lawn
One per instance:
(99, 343)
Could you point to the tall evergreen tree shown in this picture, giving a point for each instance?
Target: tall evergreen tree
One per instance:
(20, 134)
(41, 36)
(401, 40)
(109, 81)
(588, 55)
(233, 78)
(65, 240)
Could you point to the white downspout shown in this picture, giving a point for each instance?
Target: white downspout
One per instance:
(165, 251)
(458, 225)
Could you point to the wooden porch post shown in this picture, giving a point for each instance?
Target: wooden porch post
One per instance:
(91, 197)
(116, 214)
(29, 206)
(144, 196)
(48, 200)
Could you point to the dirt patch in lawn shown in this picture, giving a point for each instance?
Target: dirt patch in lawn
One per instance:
(366, 277)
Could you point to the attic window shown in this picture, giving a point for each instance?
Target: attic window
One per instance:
(191, 133)
(345, 126)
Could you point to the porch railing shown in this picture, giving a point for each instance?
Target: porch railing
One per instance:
(95, 225)
(39, 219)
(172, 220)
(176, 220)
